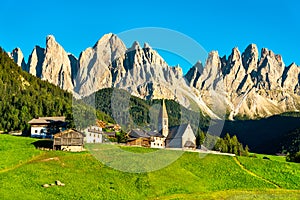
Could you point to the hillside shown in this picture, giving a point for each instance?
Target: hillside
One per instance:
(189, 177)
(23, 96)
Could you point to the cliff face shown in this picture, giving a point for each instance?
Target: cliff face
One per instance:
(254, 86)
(247, 84)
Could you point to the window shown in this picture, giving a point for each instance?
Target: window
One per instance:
(36, 131)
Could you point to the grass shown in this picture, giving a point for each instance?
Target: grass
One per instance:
(271, 157)
(192, 176)
(284, 174)
(15, 151)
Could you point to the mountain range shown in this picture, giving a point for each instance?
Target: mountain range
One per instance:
(248, 85)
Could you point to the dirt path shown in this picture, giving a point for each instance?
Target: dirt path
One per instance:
(23, 163)
(253, 174)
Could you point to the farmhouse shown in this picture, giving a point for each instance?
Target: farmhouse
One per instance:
(69, 140)
(138, 137)
(45, 127)
(93, 134)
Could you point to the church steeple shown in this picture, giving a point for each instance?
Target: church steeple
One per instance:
(163, 121)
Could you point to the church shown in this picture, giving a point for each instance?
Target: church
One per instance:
(181, 136)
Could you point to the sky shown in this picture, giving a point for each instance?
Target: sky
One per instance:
(215, 25)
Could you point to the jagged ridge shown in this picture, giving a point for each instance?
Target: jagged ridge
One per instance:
(248, 84)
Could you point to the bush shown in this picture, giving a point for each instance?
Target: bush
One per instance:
(293, 157)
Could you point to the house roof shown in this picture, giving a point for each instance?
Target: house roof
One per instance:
(189, 144)
(137, 133)
(47, 120)
(60, 134)
(177, 131)
(154, 134)
(110, 134)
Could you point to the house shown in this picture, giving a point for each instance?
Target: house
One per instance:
(143, 138)
(181, 137)
(46, 127)
(68, 140)
(111, 134)
(93, 134)
(115, 127)
(137, 137)
(142, 142)
(157, 140)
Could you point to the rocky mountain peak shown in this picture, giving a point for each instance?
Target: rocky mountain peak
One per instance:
(36, 60)
(192, 76)
(146, 46)
(56, 67)
(18, 57)
(135, 46)
(235, 54)
(250, 58)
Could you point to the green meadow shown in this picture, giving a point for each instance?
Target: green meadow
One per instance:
(23, 171)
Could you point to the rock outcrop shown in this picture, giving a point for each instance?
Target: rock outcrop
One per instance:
(94, 71)
(53, 64)
(35, 61)
(56, 67)
(18, 57)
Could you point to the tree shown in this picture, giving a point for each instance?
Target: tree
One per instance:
(201, 137)
(246, 152)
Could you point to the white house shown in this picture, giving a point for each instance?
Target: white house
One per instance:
(46, 127)
(157, 140)
(93, 134)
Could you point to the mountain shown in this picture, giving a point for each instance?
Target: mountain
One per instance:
(253, 86)
(53, 64)
(242, 85)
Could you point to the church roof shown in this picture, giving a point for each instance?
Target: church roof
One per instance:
(163, 111)
(177, 131)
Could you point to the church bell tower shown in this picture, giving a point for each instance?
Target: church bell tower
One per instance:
(163, 121)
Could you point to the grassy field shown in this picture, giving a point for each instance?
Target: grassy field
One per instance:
(24, 170)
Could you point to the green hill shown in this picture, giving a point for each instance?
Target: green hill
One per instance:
(189, 177)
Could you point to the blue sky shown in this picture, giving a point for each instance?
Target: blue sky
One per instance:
(216, 25)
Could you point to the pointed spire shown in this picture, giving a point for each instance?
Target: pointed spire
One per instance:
(164, 110)
(163, 122)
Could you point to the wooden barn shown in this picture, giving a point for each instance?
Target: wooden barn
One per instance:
(68, 140)
(142, 142)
